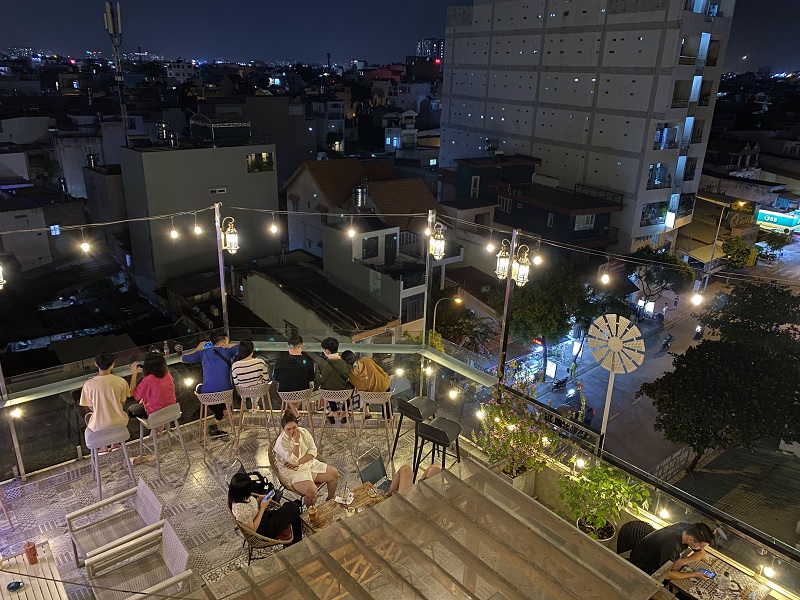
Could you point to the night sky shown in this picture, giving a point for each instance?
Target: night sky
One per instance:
(764, 30)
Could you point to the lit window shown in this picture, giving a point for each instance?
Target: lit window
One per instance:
(584, 222)
(263, 161)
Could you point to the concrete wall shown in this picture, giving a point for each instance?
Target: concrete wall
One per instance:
(24, 130)
(31, 250)
(168, 181)
(14, 164)
(305, 231)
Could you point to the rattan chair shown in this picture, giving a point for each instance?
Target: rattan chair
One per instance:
(299, 397)
(273, 464)
(385, 399)
(210, 399)
(91, 532)
(342, 398)
(255, 392)
(256, 541)
(155, 564)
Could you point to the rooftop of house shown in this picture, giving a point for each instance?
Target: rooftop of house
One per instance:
(733, 147)
(28, 197)
(403, 196)
(776, 187)
(468, 203)
(565, 201)
(337, 178)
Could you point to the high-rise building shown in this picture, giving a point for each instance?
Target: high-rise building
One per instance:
(430, 48)
(610, 94)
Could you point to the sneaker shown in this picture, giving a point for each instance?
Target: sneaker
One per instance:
(332, 420)
(213, 430)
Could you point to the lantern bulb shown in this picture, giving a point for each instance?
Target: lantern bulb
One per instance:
(85, 246)
(198, 230)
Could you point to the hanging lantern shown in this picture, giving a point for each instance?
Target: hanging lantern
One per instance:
(437, 241)
(503, 258)
(522, 267)
(230, 237)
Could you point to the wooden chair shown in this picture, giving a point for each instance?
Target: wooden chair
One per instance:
(273, 464)
(295, 398)
(341, 397)
(385, 399)
(256, 541)
(255, 392)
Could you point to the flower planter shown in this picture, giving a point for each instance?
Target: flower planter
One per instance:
(606, 539)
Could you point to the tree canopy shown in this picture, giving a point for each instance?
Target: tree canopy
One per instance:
(775, 240)
(459, 325)
(737, 251)
(656, 272)
(727, 395)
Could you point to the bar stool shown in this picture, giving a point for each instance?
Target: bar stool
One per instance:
(384, 398)
(106, 437)
(161, 418)
(339, 397)
(210, 399)
(298, 397)
(253, 393)
(418, 410)
(441, 433)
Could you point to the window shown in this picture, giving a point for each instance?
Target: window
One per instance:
(263, 161)
(369, 248)
(475, 186)
(290, 329)
(550, 217)
(482, 219)
(584, 222)
(411, 308)
(504, 204)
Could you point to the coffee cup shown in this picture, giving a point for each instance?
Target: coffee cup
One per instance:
(31, 555)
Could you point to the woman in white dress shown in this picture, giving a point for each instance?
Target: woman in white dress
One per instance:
(297, 461)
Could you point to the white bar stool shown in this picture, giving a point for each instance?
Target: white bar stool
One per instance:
(385, 399)
(342, 397)
(106, 437)
(161, 418)
(253, 393)
(210, 399)
(298, 397)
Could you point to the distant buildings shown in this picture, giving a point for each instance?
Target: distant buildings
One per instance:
(617, 97)
(431, 48)
(181, 71)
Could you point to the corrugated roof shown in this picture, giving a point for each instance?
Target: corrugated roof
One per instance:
(403, 196)
(337, 178)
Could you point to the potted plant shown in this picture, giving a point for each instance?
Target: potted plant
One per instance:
(514, 435)
(596, 496)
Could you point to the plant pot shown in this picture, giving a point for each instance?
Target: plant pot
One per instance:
(605, 536)
(525, 483)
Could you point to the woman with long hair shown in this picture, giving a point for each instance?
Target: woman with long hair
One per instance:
(252, 511)
(248, 370)
(155, 391)
(297, 455)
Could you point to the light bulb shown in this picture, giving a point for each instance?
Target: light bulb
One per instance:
(198, 230)
(545, 441)
(580, 463)
(537, 260)
(663, 513)
(188, 381)
(351, 232)
(697, 299)
(428, 371)
(399, 372)
(453, 393)
(490, 247)
(512, 427)
(85, 246)
(480, 414)
(173, 234)
(427, 231)
(497, 419)
(605, 278)
(769, 572)
(16, 413)
(273, 228)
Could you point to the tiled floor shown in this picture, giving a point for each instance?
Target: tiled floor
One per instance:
(194, 496)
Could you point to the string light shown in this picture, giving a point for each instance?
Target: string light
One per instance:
(274, 227)
(769, 572)
(490, 245)
(188, 381)
(351, 232)
(663, 513)
(197, 229)
(453, 393)
(84, 244)
(697, 299)
(604, 278)
(173, 233)
(580, 463)
(480, 414)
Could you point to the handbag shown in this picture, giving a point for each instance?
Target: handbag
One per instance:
(261, 485)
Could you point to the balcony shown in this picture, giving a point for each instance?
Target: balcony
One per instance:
(712, 62)
(659, 185)
(469, 509)
(680, 103)
(704, 100)
(671, 145)
(687, 60)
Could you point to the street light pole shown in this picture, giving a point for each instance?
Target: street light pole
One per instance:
(456, 299)
(714, 247)
(510, 286)
(221, 260)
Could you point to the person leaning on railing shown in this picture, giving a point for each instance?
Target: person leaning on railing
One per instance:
(216, 362)
(105, 395)
(668, 544)
(366, 376)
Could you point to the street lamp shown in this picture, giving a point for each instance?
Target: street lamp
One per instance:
(437, 242)
(457, 299)
(230, 237)
(227, 240)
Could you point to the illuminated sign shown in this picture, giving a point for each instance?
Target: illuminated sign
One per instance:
(789, 220)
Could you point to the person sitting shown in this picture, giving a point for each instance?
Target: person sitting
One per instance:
(295, 370)
(404, 478)
(248, 370)
(298, 464)
(668, 544)
(252, 511)
(104, 396)
(366, 376)
(334, 376)
(155, 391)
(216, 362)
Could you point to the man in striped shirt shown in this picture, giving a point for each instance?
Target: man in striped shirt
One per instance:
(248, 370)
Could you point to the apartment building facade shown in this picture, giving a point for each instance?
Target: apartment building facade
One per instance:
(612, 94)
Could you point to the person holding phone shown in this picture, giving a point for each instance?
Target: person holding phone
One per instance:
(681, 543)
(252, 510)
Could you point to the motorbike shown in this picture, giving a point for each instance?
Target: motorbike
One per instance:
(560, 384)
(698, 332)
(667, 341)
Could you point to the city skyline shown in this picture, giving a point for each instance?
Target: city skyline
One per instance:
(760, 33)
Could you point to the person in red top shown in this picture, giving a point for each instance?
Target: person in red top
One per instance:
(155, 391)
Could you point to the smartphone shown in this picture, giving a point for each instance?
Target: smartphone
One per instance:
(14, 586)
(710, 574)
(268, 496)
(208, 345)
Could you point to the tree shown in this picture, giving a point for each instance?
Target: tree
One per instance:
(544, 307)
(723, 395)
(596, 303)
(737, 252)
(656, 271)
(459, 325)
(749, 312)
(775, 240)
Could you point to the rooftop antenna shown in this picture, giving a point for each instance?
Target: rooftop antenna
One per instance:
(113, 21)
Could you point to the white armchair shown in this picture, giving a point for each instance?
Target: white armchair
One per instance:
(99, 527)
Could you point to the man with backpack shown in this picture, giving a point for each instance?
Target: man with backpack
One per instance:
(216, 358)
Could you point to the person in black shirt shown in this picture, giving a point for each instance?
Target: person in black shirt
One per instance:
(667, 544)
(294, 371)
